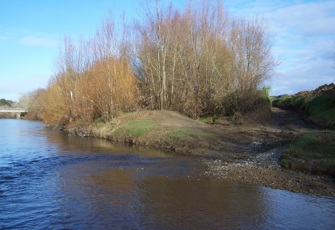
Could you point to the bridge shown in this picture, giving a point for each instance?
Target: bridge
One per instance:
(18, 111)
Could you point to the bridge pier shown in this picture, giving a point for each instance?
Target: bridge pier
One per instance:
(18, 116)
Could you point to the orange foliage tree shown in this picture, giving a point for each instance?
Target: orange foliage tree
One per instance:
(93, 81)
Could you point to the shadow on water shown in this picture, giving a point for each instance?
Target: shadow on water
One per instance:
(49, 180)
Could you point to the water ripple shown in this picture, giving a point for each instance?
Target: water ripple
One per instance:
(51, 181)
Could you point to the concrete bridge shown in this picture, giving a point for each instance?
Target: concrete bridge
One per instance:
(18, 111)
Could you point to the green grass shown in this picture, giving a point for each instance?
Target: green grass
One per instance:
(313, 152)
(207, 120)
(136, 128)
(289, 102)
(212, 120)
(99, 124)
(322, 109)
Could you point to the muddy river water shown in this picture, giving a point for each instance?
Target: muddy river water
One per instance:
(49, 180)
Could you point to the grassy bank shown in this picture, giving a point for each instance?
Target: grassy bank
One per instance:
(313, 152)
(163, 129)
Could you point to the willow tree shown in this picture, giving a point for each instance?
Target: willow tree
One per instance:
(251, 46)
(93, 80)
(193, 60)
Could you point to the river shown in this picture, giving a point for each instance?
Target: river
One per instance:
(49, 180)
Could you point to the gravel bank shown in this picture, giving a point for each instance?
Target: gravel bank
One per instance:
(264, 169)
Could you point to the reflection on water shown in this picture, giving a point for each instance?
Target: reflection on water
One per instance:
(201, 204)
(49, 180)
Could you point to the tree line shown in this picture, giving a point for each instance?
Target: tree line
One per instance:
(6, 103)
(198, 61)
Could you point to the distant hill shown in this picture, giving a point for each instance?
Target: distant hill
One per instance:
(6, 103)
(318, 105)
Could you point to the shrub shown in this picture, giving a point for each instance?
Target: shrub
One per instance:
(313, 152)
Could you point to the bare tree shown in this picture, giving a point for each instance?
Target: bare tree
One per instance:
(251, 46)
(197, 61)
(191, 61)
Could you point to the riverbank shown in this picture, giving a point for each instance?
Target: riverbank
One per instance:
(264, 169)
(248, 153)
(171, 131)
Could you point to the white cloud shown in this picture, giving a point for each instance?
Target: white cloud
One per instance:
(304, 43)
(304, 32)
(38, 41)
(306, 18)
(303, 73)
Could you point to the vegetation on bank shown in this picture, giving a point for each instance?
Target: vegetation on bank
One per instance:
(199, 61)
(313, 152)
(257, 112)
(6, 103)
(164, 129)
(317, 105)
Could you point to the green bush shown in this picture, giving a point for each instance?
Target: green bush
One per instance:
(313, 152)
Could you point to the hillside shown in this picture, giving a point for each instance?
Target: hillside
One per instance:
(6, 103)
(314, 150)
(317, 105)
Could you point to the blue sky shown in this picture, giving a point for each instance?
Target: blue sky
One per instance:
(30, 31)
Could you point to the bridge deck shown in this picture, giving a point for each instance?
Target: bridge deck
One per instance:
(12, 110)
